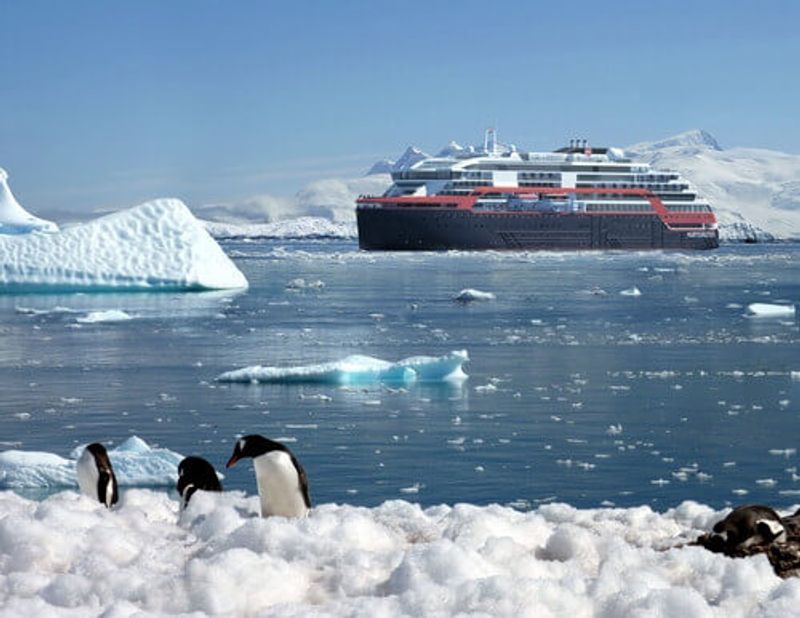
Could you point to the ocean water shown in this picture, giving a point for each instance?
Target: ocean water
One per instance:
(576, 393)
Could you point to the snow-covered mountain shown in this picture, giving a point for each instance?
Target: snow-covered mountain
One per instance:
(755, 192)
(411, 156)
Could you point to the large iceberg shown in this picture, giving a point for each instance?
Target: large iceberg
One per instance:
(359, 369)
(135, 463)
(14, 219)
(71, 556)
(158, 245)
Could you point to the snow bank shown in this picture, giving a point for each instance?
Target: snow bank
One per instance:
(766, 310)
(469, 295)
(359, 370)
(135, 464)
(157, 245)
(14, 219)
(70, 554)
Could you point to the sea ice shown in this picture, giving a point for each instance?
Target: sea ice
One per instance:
(469, 295)
(155, 246)
(135, 464)
(766, 310)
(359, 369)
(110, 315)
(14, 219)
(634, 291)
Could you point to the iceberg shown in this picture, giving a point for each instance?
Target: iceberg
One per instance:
(135, 463)
(158, 245)
(14, 219)
(469, 295)
(145, 557)
(767, 310)
(358, 369)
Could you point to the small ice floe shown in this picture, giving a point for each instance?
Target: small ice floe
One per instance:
(486, 388)
(767, 310)
(359, 369)
(470, 295)
(782, 452)
(614, 430)
(659, 482)
(302, 284)
(794, 375)
(634, 291)
(740, 492)
(413, 489)
(766, 482)
(110, 316)
(135, 464)
(54, 310)
(317, 397)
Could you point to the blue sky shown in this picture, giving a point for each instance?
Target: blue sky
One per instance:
(106, 104)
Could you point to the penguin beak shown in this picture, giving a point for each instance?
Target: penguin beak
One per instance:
(232, 461)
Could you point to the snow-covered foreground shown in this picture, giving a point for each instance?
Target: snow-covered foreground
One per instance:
(70, 556)
(157, 245)
(135, 463)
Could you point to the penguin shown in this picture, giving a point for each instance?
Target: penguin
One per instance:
(196, 473)
(745, 526)
(282, 482)
(96, 476)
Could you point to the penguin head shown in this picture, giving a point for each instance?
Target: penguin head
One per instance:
(253, 446)
(100, 455)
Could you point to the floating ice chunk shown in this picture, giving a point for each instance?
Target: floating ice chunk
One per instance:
(111, 315)
(766, 482)
(302, 284)
(14, 219)
(359, 370)
(469, 295)
(155, 246)
(794, 375)
(634, 291)
(782, 452)
(766, 310)
(614, 430)
(135, 464)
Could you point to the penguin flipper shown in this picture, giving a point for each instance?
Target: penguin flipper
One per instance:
(107, 488)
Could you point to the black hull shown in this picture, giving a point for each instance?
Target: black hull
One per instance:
(418, 229)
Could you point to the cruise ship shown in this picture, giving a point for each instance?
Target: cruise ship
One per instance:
(579, 197)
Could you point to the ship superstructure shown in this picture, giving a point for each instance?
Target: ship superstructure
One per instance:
(578, 197)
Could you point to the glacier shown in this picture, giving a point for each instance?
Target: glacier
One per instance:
(158, 245)
(358, 369)
(68, 555)
(135, 463)
(14, 219)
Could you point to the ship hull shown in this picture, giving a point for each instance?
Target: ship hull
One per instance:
(426, 229)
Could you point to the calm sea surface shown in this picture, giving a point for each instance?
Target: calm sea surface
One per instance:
(576, 393)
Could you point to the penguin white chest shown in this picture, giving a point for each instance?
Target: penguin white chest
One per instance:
(279, 485)
(88, 475)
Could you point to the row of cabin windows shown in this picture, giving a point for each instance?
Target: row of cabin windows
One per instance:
(627, 185)
(688, 208)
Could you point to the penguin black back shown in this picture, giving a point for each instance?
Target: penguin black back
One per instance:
(96, 476)
(196, 473)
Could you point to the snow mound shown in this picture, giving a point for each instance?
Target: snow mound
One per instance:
(155, 246)
(70, 556)
(766, 310)
(14, 219)
(135, 464)
(359, 370)
(469, 295)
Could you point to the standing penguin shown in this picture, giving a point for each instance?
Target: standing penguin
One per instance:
(196, 473)
(96, 476)
(282, 482)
